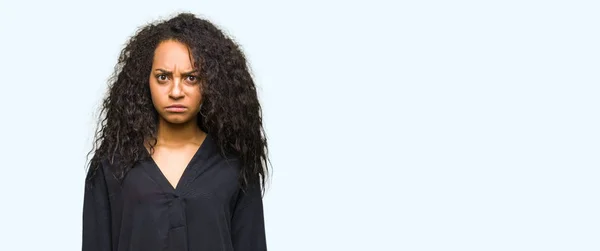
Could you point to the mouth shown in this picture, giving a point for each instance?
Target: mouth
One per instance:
(176, 108)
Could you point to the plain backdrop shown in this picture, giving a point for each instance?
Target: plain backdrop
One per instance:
(399, 125)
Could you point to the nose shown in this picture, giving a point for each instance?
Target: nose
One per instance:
(176, 89)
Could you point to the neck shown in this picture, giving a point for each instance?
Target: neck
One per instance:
(170, 134)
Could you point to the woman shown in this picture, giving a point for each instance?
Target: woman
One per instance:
(180, 157)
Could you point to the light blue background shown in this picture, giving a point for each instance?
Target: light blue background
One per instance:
(400, 125)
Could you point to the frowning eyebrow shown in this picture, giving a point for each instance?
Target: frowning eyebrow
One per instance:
(170, 72)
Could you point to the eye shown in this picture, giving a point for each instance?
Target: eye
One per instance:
(192, 78)
(161, 77)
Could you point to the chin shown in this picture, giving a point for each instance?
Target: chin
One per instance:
(177, 119)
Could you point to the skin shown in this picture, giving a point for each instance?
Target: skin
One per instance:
(174, 81)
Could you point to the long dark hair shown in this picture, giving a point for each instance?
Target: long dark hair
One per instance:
(230, 112)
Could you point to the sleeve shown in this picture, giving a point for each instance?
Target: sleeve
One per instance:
(247, 224)
(96, 214)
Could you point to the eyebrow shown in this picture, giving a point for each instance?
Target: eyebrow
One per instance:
(185, 73)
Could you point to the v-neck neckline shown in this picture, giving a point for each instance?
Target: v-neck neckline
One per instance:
(186, 171)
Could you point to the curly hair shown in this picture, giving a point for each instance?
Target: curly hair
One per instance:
(230, 111)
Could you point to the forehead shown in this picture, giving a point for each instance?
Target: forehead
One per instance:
(172, 54)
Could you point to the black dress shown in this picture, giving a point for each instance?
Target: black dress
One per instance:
(207, 210)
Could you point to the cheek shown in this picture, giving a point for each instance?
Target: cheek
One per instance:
(196, 95)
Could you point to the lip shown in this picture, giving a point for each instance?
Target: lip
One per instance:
(176, 108)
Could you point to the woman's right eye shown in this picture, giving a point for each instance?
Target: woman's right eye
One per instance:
(161, 77)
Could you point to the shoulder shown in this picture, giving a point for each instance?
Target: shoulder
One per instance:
(100, 171)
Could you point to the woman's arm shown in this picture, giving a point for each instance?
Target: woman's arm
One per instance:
(96, 214)
(247, 225)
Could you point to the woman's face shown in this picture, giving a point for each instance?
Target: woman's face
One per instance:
(174, 83)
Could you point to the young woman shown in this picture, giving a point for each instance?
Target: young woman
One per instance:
(180, 157)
